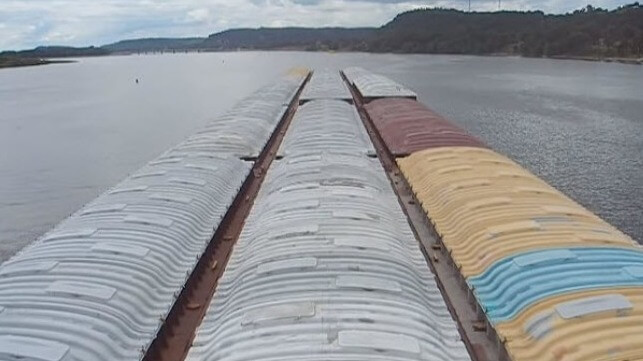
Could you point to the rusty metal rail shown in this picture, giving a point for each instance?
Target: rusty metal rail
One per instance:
(177, 332)
(472, 325)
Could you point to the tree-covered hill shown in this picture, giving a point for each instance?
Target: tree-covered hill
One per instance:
(591, 32)
(154, 44)
(55, 52)
(39, 55)
(586, 33)
(290, 38)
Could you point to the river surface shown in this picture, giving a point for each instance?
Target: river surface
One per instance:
(70, 131)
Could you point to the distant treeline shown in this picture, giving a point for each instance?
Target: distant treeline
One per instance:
(589, 32)
(296, 38)
(42, 55)
(55, 52)
(12, 61)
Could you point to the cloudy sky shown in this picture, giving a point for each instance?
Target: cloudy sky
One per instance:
(28, 23)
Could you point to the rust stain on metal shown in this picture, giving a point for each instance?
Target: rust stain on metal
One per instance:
(480, 326)
(175, 336)
(480, 353)
(193, 306)
(463, 308)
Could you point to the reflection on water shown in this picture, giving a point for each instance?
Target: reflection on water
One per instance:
(69, 131)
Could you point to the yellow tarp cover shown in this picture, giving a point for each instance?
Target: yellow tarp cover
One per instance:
(486, 207)
(598, 325)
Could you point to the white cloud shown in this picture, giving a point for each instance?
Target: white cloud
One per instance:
(199, 15)
(11, 33)
(27, 23)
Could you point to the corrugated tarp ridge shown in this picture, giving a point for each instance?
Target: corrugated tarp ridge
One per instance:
(372, 85)
(407, 126)
(326, 126)
(98, 286)
(596, 325)
(245, 129)
(326, 84)
(327, 268)
(556, 281)
(486, 207)
(519, 281)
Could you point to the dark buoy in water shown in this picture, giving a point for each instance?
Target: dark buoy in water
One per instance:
(136, 80)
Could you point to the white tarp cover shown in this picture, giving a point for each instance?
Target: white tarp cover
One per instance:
(327, 268)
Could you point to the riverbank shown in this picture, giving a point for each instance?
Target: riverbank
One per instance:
(14, 62)
(631, 61)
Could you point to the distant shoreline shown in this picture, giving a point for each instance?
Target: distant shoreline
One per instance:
(11, 62)
(587, 34)
(629, 61)
(14, 62)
